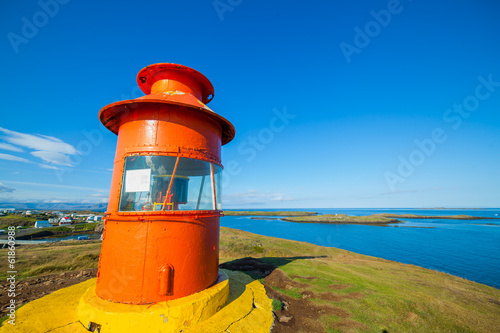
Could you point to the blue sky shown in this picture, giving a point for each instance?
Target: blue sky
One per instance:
(335, 104)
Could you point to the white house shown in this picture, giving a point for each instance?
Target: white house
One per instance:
(81, 216)
(42, 224)
(94, 218)
(65, 220)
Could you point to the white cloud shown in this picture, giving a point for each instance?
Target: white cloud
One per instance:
(421, 190)
(46, 166)
(6, 189)
(58, 186)
(102, 198)
(99, 195)
(38, 142)
(9, 157)
(47, 148)
(7, 146)
(52, 157)
(255, 197)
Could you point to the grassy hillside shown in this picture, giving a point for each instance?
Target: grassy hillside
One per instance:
(50, 258)
(326, 289)
(17, 220)
(368, 294)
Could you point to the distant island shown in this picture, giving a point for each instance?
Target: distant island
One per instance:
(343, 218)
(314, 217)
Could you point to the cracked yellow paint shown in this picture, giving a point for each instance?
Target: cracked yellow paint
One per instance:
(169, 316)
(248, 309)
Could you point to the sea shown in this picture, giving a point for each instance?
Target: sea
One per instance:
(466, 248)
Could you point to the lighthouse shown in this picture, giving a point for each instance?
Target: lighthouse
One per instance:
(161, 238)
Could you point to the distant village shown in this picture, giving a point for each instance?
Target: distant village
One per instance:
(53, 218)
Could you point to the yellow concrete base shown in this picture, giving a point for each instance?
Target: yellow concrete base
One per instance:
(171, 316)
(248, 309)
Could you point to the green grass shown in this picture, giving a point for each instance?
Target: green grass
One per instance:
(17, 220)
(86, 226)
(60, 229)
(258, 249)
(292, 292)
(395, 297)
(51, 258)
(378, 294)
(45, 232)
(277, 305)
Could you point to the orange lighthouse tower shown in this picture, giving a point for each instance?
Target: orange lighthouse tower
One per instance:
(161, 238)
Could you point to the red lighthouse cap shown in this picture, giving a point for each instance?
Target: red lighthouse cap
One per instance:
(174, 84)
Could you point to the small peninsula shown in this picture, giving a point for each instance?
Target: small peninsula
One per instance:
(343, 218)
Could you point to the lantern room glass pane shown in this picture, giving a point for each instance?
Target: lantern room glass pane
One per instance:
(218, 186)
(148, 185)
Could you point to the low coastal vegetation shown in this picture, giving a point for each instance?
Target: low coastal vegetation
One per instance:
(318, 289)
(343, 218)
(17, 220)
(36, 260)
